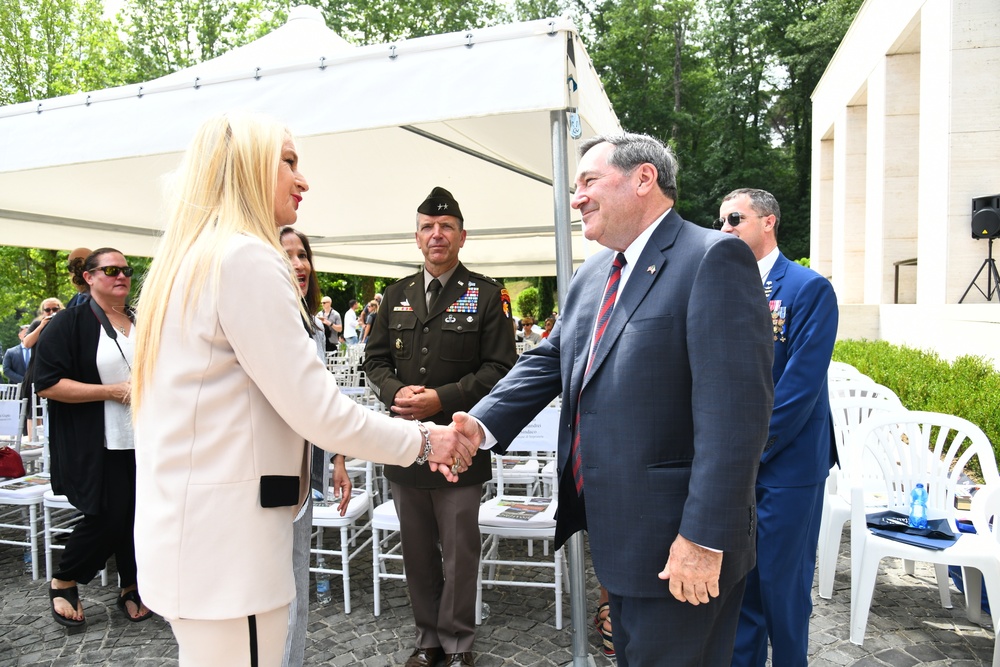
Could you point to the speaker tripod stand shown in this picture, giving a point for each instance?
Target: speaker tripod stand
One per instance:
(992, 278)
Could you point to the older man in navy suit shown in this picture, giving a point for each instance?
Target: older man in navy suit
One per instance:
(800, 449)
(662, 353)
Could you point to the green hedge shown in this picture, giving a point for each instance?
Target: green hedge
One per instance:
(969, 387)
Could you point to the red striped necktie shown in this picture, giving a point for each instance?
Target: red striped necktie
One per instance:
(603, 317)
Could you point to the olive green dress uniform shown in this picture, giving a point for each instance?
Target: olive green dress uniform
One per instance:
(461, 348)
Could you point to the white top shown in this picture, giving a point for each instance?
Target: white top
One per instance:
(350, 324)
(114, 369)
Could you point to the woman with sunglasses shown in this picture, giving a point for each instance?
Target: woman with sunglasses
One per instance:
(46, 311)
(226, 396)
(83, 368)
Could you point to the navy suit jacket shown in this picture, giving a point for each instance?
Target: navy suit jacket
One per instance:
(673, 413)
(800, 447)
(13, 364)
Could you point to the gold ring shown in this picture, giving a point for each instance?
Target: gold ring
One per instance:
(455, 465)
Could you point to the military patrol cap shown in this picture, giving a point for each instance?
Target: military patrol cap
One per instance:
(440, 202)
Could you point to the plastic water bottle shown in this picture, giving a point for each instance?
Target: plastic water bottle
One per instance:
(918, 507)
(323, 595)
(27, 560)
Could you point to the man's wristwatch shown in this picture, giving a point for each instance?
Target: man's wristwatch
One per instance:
(422, 459)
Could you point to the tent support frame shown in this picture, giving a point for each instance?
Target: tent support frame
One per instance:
(564, 273)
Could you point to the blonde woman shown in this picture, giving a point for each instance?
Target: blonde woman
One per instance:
(225, 398)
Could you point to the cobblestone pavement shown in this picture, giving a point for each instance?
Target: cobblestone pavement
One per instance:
(907, 626)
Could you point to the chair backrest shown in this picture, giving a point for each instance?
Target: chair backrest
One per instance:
(10, 392)
(923, 447)
(538, 442)
(849, 412)
(986, 511)
(862, 387)
(839, 370)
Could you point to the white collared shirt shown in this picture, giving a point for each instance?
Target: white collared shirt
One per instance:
(766, 263)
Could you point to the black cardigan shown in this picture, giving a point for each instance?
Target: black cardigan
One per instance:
(67, 349)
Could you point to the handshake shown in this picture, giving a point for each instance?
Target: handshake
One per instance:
(453, 446)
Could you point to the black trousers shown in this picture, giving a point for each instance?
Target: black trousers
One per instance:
(97, 537)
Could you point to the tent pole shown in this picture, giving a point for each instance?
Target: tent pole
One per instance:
(560, 195)
(564, 272)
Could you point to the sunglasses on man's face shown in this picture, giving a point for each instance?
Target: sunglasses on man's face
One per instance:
(733, 219)
(113, 271)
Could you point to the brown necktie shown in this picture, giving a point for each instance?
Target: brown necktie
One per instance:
(433, 290)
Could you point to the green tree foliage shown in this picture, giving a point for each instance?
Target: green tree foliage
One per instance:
(56, 47)
(527, 302)
(167, 35)
(727, 84)
(378, 21)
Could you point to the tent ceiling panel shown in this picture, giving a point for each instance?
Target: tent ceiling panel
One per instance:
(375, 134)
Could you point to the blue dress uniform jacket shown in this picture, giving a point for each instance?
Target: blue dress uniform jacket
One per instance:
(800, 446)
(793, 469)
(461, 348)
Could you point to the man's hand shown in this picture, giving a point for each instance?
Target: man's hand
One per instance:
(451, 451)
(693, 571)
(469, 427)
(416, 402)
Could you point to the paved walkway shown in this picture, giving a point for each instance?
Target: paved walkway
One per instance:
(907, 626)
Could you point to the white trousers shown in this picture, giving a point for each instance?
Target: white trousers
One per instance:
(255, 641)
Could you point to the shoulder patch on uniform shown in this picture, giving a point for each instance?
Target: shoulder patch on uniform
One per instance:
(505, 302)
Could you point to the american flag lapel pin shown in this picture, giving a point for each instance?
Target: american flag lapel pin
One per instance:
(651, 269)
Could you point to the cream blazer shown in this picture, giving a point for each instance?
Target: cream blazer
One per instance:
(236, 392)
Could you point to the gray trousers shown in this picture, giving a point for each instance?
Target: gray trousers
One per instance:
(298, 617)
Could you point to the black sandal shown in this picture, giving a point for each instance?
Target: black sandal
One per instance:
(133, 597)
(72, 596)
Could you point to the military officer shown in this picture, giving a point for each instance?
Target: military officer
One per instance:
(442, 339)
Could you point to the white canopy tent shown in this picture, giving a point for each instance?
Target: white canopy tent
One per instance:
(477, 112)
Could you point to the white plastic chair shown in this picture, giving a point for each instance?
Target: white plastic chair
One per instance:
(20, 502)
(510, 515)
(351, 526)
(851, 403)
(909, 448)
(986, 519)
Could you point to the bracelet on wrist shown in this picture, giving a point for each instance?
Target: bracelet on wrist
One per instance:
(427, 451)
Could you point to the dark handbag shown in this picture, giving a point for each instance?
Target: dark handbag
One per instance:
(10, 463)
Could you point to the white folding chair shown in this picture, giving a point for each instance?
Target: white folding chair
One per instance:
(20, 502)
(351, 526)
(850, 405)
(909, 448)
(523, 516)
(386, 548)
(20, 498)
(35, 451)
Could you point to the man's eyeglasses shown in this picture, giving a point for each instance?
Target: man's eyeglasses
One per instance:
(734, 219)
(113, 271)
(54, 309)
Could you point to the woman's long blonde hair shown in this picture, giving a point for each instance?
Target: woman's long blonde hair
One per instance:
(224, 187)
